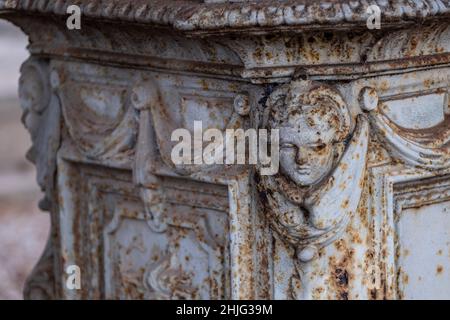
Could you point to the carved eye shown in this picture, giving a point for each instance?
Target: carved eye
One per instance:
(287, 145)
(318, 147)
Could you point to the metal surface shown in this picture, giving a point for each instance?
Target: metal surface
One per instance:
(359, 208)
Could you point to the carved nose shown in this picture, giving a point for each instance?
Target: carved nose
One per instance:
(300, 158)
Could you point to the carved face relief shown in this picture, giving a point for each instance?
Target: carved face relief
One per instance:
(322, 148)
(306, 145)
(312, 121)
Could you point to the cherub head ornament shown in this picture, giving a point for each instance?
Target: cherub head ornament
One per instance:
(313, 123)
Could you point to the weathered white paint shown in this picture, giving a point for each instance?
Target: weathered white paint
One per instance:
(363, 217)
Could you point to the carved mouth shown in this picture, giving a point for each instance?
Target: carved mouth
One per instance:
(303, 170)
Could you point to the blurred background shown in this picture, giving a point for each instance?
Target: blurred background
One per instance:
(23, 227)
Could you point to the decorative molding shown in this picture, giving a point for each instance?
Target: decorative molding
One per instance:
(188, 15)
(260, 58)
(403, 44)
(187, 259)
(339, 55)
(402, 189)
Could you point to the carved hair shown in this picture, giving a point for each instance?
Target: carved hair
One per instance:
(304, 97)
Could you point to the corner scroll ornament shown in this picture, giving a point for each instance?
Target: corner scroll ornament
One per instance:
(42, 117)
(424, 148)
(323, 154)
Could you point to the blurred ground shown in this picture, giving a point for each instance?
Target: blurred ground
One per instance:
(23, 228)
